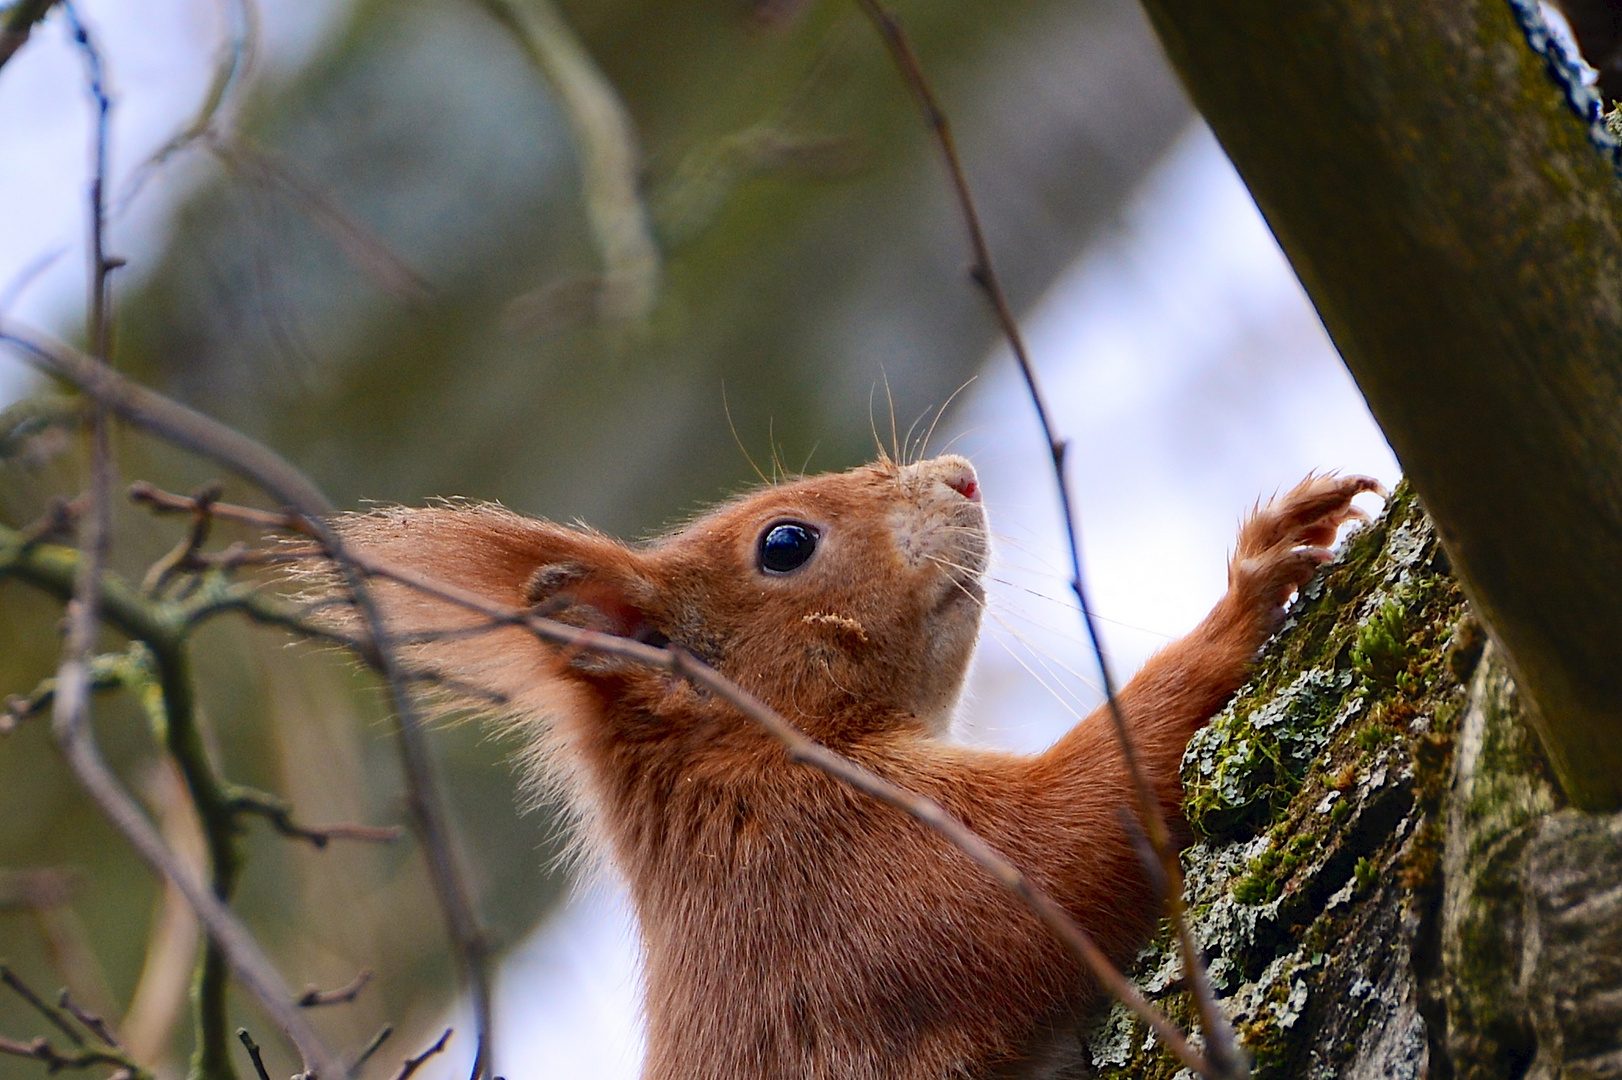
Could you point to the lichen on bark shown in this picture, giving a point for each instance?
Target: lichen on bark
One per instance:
(1317, 796)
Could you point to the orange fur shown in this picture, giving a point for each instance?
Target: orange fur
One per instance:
(792, 927)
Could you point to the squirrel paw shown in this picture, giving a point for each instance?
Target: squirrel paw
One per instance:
(1282, 543)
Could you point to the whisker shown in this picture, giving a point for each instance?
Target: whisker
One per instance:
(924, 446)
(895, 443)
(726, 408)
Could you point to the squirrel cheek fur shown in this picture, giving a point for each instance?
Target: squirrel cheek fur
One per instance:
(793, 927)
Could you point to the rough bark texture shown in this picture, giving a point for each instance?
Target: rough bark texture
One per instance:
(1457, 229)
(1387, 881)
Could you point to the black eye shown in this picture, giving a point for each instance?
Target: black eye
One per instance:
(785, 548)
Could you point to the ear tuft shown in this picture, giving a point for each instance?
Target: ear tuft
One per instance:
(545, 583)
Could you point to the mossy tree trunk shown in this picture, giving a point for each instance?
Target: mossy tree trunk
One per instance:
(1388, 881)
(1460, 233)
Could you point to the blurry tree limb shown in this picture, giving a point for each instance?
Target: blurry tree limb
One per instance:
(186, 428)
(361, 244)
(159, 998)
(18, 23)
(48, 893)
(1461, 236)
(232, 65)
(315, 998)
(605, 143)
(412, 1064)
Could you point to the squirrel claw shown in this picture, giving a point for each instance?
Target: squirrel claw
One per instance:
(1282, 544)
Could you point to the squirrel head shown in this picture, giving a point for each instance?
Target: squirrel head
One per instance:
(849, 602)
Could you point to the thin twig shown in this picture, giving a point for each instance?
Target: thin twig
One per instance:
(184, 556)
(56, 1019)
(314, 997)
(1226, 1061)
(71, 700)
(412, 1064)
(371, 1048)
(280, 815)
(55, 1061)
(253, 1053)
(95, 1024)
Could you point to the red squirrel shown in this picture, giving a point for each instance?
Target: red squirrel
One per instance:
(792, 927)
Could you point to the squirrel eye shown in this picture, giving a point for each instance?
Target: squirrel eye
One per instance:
(786, 547)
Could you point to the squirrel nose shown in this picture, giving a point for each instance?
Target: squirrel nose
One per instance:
(957, 474)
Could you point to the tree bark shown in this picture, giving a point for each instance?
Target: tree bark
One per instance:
(1453, 221)
(1388, 883)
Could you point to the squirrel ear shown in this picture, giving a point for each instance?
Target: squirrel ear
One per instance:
(573, 575)
(606, 600)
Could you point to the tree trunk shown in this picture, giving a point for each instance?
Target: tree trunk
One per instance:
(1457, 227)
(1387, 882)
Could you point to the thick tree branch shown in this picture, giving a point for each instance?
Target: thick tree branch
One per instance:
(1461, 237)
(18, 23)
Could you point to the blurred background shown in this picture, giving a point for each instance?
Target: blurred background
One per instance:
(588, 260)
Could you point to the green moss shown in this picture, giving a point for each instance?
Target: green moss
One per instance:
(1300, 788)
(1245, 765)
(1382, 648)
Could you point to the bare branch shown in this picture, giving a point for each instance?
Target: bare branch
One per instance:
(184, 556)
(1226, 1061)
(56, 1019)
(372, 1047)
(314, 998)
(253, 1053)
(412, 1064)
(280, 816)
(41, 1050)
(606, 148)
(95, 1024)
